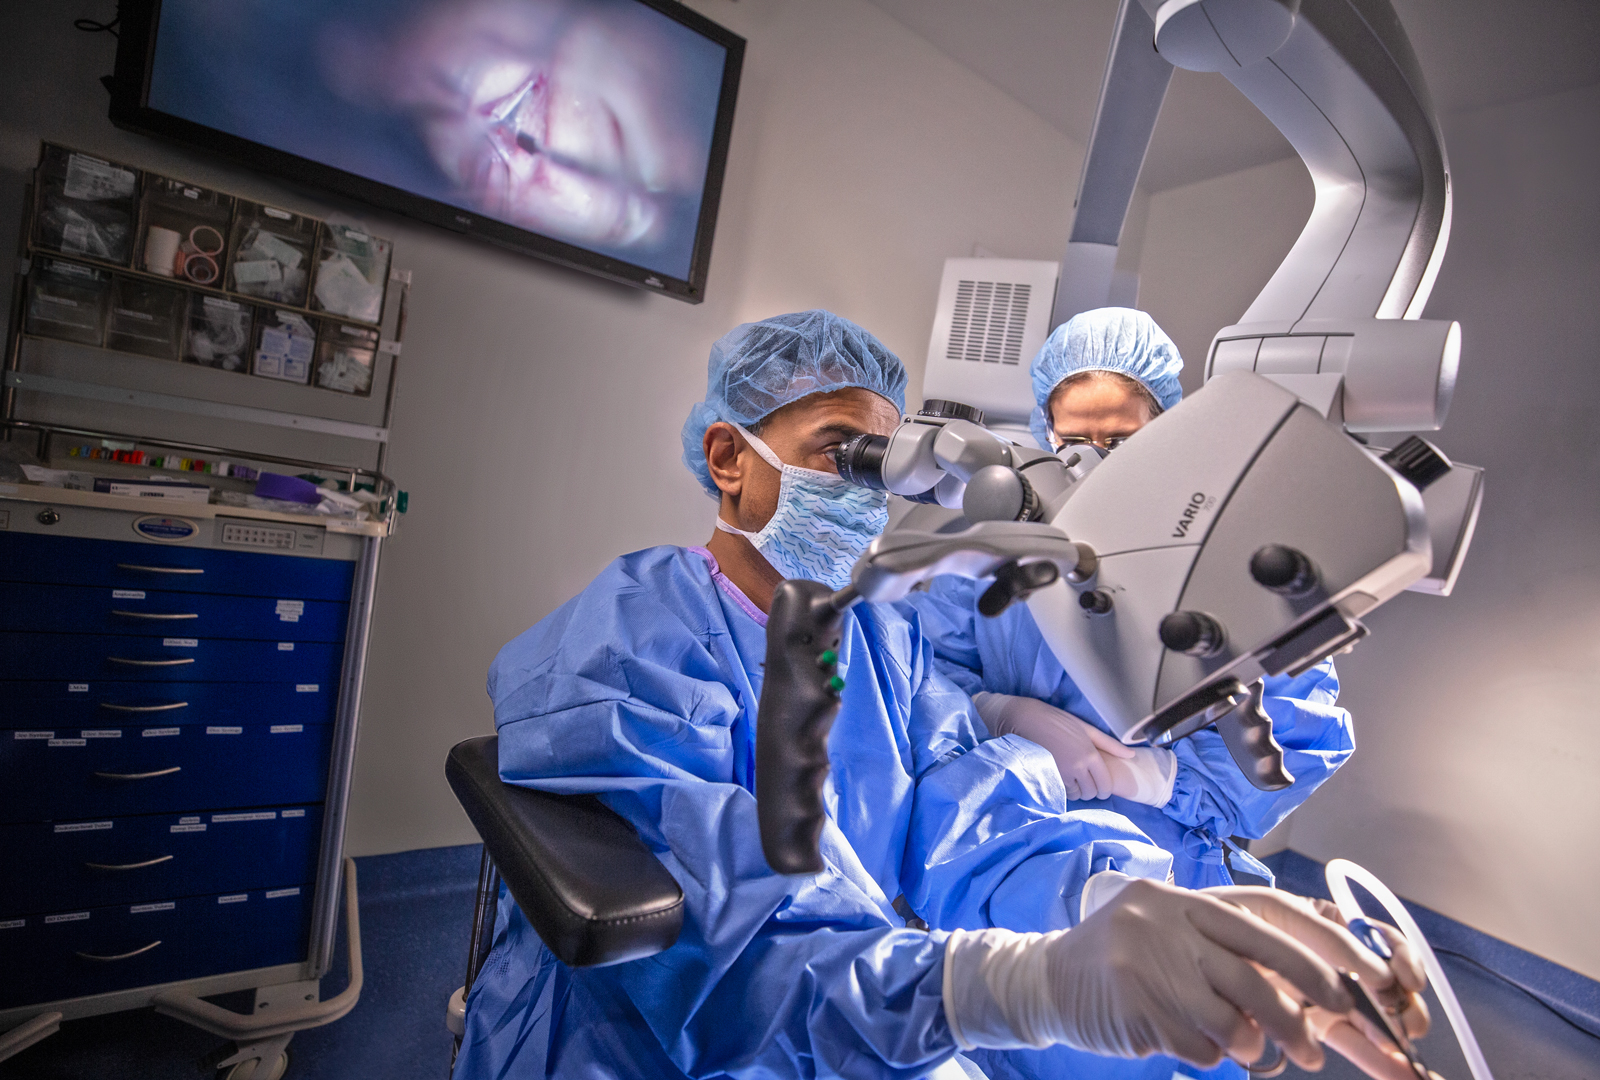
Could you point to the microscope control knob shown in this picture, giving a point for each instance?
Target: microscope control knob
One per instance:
(1419, 461)
(1192, 632)
(1284, 570)
(1095, 601)
(1000, 493)
(940, 409)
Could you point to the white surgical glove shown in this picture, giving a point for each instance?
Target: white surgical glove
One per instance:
(1081, 750)
(1146, 776)
(1158, 970)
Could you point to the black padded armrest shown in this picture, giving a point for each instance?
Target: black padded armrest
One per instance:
(592, 890)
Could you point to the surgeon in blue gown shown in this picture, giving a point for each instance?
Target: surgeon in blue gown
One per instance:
(644, 689)
(1099, 378)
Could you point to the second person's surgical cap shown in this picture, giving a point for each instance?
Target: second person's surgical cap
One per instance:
(1117, 339)
(760, 367)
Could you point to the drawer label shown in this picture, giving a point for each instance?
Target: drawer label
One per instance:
(294, 813)
(33, 735)
(140, 909)
(127, 594)
(13, 924)
(286, 646)
(224, 731)
(306, 688)
(190, 820)
(290, 610)
(287, 729)
(74, 916)
(254, 815)
(181, 642)
(187, 828)
(275, 894)
(101, 733)
(67, 742)
(77, 688)
(165, 530)
(236, 898)
(157, 732)
(83, 826)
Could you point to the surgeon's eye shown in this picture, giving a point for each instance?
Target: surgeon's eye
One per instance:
(1108, 444)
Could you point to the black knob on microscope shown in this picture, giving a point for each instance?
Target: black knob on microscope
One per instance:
(1419, 461)
(1192, 632)
(941, 409)
(1283, 570)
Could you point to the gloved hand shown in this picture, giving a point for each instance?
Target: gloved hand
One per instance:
(1081, 750)
(1157, 969)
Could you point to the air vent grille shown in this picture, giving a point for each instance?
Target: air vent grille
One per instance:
(988, 321)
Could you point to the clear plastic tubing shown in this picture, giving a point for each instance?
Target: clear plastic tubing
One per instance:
(1340, 873)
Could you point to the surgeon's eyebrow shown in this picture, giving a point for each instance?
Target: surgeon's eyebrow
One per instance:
(837, 429)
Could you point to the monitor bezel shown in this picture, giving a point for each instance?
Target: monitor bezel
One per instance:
(130, 110)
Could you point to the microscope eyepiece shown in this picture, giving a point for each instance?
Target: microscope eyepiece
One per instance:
(860, 460)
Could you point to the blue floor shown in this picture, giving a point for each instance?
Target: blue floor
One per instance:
(415, 911)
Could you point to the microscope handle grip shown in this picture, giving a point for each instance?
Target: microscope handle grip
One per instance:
(799, 699)
(1247, 732)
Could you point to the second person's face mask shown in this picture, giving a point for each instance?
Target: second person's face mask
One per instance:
(822, 524)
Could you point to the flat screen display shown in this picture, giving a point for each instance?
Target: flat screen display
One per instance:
(592, 132)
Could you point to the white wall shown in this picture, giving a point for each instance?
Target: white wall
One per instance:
(1475, 788)
(539, 409)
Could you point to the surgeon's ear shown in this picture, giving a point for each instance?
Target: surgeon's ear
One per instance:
(722, 446)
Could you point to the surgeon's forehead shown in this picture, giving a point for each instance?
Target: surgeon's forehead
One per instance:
(845, 412)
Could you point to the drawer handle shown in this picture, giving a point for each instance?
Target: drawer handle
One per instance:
(129, 866)
(119, 956)
(150, 663)
(139, 775)
(159, 569)
(151, 615)
(145, 708)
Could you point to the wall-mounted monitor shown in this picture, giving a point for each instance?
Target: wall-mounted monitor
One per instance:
(592, 133)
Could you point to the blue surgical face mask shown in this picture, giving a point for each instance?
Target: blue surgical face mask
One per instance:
(822, 524)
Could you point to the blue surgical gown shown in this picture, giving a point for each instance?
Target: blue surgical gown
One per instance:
(1211, 802)
(643, 689)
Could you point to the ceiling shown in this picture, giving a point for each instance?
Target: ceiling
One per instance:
(1050, 54)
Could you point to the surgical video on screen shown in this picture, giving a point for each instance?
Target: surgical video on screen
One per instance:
(587, 121)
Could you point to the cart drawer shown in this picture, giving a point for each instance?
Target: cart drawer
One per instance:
(128, 860)
(59, 774)
(87, 657)
(70, 705)
(116, 564)
(82, 609)
(97, 950)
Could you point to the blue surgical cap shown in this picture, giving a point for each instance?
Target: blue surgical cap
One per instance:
(762, 366)
(1122, 340)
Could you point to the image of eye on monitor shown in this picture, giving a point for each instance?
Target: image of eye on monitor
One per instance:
(592, 133)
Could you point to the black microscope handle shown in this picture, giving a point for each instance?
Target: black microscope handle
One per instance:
(1247, 731)
(799, 699)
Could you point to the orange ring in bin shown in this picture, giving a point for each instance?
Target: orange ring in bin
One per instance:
(199, 267)
(205, 249)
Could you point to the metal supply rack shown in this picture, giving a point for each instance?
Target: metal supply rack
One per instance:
(58, 396)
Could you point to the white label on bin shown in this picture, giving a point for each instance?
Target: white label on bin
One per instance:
(290, 607)
(293, 813)
(236, 898)
(96, 180)
(127, 594)
(33, 734)
(141, 909)
(224, 731)
(67, 742)
(154, 732)
(187, 828)
(257, 815)
(77, 688)
(273, 211)
(13, 924)
(83, 826)
(278, 893)
(286, 646)
(193, 819)
(287, 729)
(181, 642)
(101, 733)
(75, 916)
(306, 688)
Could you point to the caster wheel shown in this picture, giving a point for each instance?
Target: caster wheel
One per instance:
(256, 1069)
